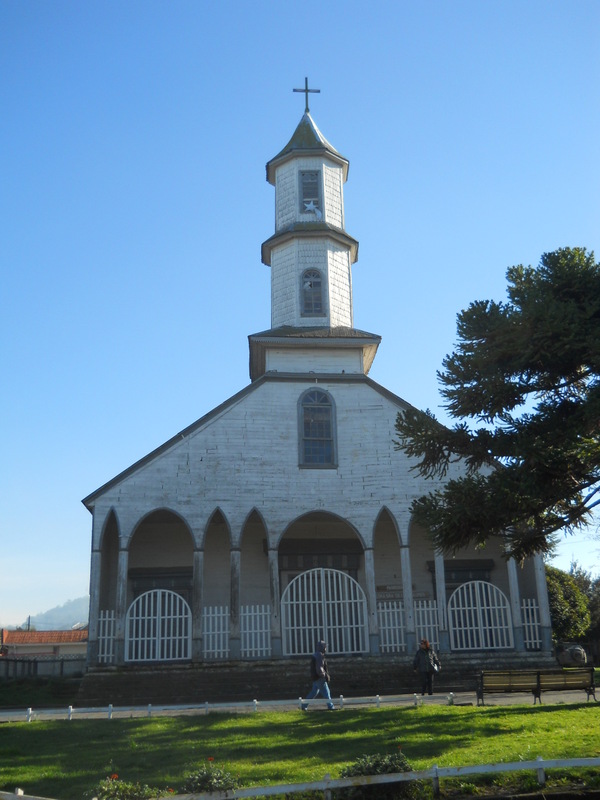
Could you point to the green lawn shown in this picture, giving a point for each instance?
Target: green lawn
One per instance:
(62, 759)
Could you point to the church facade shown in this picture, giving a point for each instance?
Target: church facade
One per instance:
(283, 515)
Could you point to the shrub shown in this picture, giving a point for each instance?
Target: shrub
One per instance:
(381, 765)
(114, 789)
(209, 778)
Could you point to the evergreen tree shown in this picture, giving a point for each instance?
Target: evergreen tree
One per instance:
(524, 383)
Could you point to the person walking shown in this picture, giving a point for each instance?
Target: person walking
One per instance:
(426, 664)
(319, 674)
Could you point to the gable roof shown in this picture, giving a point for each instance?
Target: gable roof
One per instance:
(89, 501)
(299, 377)
(44, 637)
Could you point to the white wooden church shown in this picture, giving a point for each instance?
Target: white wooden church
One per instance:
(282, 516)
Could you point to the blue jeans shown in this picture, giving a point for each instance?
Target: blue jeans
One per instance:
(320, 686)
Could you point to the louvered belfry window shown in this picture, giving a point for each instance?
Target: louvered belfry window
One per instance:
(310, 191)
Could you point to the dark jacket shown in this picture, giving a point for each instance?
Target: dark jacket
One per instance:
(425, 660)
(318, 664)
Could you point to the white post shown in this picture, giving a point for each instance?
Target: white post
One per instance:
(436, 781)
(541, 773)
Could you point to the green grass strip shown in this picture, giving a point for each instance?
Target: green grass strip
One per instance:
(64, 759)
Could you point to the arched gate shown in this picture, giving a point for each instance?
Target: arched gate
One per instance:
(158, 627)
(479, 618)
(324, 604)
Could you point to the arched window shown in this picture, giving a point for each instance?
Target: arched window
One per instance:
(317, 430)
(312, 293)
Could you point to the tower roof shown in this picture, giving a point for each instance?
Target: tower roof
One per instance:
(307, 140)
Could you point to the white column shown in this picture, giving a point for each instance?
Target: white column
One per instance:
(442, 608)
(408, 601)
(515, 604)
(121, 604)
(95, 568)
(275, 596)
(371, 601)
(197, 605)
(235, 644)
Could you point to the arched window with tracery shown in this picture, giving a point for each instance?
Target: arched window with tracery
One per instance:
(312, 293)
(317, 429)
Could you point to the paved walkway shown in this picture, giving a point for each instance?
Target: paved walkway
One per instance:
(407, 700)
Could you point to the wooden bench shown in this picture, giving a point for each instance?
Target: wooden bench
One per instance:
(535, 681)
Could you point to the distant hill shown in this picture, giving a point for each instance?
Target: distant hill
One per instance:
(62, 618)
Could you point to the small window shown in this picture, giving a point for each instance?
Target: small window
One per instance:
(310, 193)
(317, 430)
(312, 294)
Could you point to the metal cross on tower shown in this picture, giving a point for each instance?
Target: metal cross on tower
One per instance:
(306, 90)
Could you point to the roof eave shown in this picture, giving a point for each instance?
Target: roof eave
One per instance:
(295, 232)
(271, 166)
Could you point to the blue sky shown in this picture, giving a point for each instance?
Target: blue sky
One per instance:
(133, 202)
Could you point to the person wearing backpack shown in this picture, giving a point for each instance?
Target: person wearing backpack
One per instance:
(319, 674)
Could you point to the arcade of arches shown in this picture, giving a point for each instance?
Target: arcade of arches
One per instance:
(216, 570)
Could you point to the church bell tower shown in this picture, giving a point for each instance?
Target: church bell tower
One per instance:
(311, 257)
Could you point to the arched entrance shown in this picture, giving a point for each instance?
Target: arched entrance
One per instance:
(324, 604)
(479, 618)
(158, 627)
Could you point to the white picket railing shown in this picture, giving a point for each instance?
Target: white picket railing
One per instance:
(255, 625)
(426, 622)
(215, 632)
(390, 618)
(530, 614)
(255, 629)
(106, 637)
